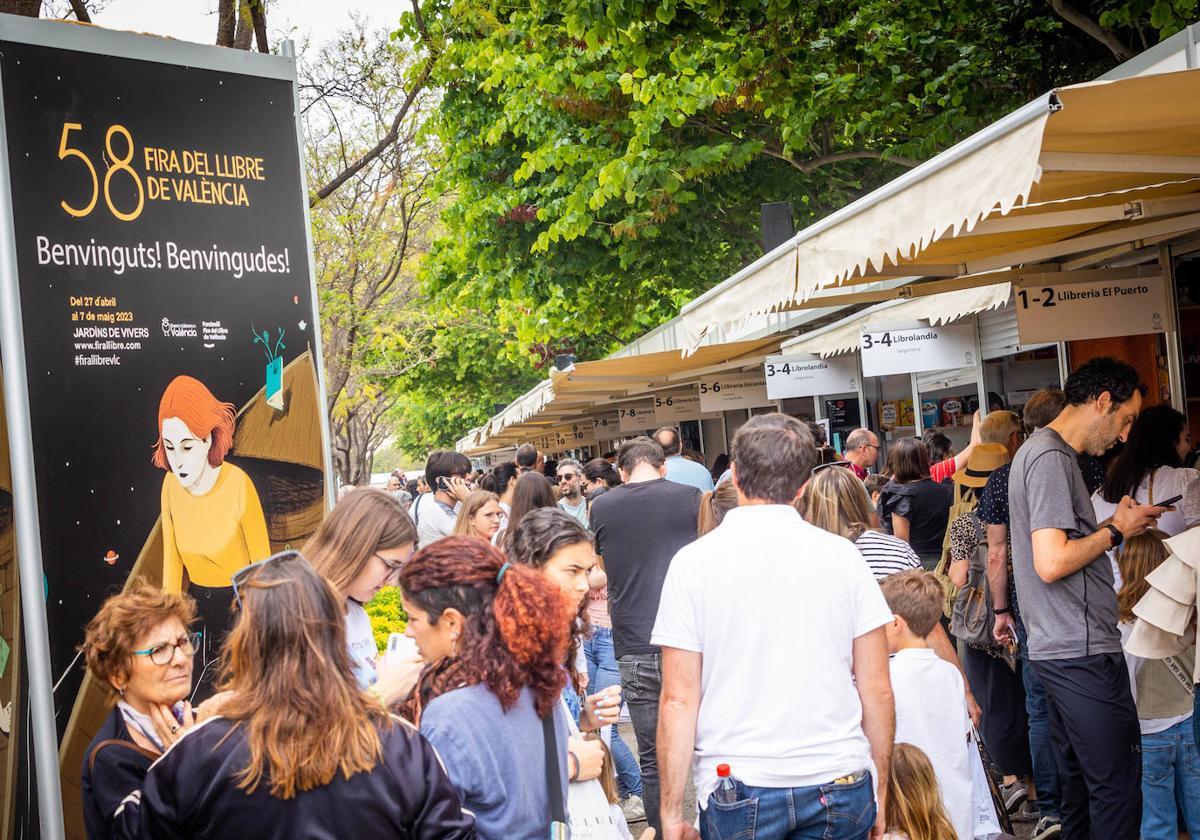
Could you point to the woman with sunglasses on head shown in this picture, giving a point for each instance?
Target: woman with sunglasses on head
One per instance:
(495, 636)
(359, 549)
(139, 647)
(298, 750)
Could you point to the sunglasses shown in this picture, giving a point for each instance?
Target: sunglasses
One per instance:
(242, 575)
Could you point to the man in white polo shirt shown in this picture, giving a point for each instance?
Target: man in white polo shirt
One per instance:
(774, 662)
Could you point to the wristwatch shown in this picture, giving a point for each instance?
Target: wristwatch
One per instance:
(1002, 610)
(1115, 533)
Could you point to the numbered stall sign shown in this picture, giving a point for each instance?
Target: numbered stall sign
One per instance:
(579, 434)
(676, 407)
(605, 427)
(739, 390)
(804, 375)
(636, 417)
(1091, 310)
(914, 349)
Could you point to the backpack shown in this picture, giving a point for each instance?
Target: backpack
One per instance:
(966, 499)
(972, 617)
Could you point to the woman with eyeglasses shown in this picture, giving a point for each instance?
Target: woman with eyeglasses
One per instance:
(480, 516)
(298, 750)
(140, 648)
(359, 549)
(495, 638)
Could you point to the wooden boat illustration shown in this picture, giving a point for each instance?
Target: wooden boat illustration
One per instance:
(282, 453)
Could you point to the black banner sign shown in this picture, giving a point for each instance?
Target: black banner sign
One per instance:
(169, 334)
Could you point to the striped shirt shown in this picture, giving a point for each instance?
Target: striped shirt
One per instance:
(885, 554)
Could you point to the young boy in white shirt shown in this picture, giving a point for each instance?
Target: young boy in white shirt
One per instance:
(931, 712)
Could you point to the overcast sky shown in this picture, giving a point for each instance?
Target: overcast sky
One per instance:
(195, 20)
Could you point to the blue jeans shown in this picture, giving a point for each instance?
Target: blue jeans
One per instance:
(820, 812)
(1041, 748)
(602, 672)
(1170, 782)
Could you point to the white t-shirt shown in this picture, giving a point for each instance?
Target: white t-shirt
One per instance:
(1168, 482)
(931, 713)
(361, 639)
(432, 520)
(774, 606)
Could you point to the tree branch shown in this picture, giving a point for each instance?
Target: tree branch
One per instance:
(81, 12)
(394, 132)
(1090, 27)
(837, 157)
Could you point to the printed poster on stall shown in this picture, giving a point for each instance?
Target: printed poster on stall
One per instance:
(169, 333)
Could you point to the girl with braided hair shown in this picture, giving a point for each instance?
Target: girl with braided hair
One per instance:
(494, 637)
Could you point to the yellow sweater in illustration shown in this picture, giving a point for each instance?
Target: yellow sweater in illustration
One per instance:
(213, 535)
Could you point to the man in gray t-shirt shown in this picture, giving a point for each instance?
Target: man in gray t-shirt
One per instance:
(1064, 584)
(1075, 615)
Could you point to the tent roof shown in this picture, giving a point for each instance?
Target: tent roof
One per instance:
(1084, 167)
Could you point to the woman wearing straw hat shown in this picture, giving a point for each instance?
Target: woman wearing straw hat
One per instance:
(993, 670)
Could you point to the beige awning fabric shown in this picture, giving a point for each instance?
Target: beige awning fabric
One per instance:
(846, 336)
(589, 387)
(1085, 167)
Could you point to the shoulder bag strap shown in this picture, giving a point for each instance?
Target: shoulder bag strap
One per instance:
(558, 808)
(118, 742)
(1175, 666)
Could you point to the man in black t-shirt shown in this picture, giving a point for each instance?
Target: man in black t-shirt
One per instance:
(639, 526)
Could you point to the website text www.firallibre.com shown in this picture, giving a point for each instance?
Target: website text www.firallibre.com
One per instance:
(86, 357)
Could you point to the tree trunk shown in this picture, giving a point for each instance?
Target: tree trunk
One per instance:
(258, 18)
(245, 27)
(25, 8)
(226, 22)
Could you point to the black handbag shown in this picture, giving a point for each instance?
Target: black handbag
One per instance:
(554, 786)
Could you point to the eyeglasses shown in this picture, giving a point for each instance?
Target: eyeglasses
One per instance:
(162, 654)
(243, 574)
(871, 445)
(567, 476)
(393, 566)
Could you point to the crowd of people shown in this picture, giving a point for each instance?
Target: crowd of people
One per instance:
(923, 652)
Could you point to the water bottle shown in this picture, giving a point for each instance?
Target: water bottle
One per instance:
(727, 786)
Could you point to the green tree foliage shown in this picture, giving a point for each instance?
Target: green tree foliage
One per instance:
(387, 615)
(605, 161)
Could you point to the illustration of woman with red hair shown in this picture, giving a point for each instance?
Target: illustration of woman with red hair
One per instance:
(212, 520)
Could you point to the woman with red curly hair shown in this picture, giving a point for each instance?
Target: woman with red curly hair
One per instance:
(495, 637)
(212, 520)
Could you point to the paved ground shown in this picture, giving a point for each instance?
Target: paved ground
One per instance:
(1023, 830)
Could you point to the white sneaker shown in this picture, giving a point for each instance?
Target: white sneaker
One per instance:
(633, 808)
(1046, 828)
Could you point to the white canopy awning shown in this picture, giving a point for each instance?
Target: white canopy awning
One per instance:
(845, 336)
(1084, 167)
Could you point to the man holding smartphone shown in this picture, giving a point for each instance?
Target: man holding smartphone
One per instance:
(1064, 582)
(434, 513)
